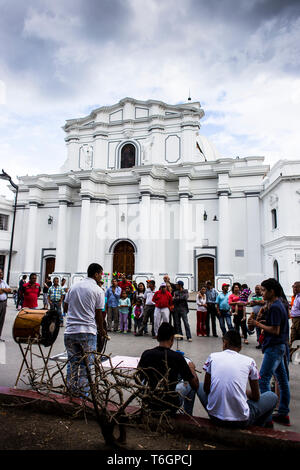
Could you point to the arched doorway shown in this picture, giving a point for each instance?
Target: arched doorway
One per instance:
(49, 266)
(206, 270)
(127, 156)
(123, 260)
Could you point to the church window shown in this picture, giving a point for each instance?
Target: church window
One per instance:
(128, 156)
(274, 218)
(276, 270)
(3, 222)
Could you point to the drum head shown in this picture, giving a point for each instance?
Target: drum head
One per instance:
(49, 328)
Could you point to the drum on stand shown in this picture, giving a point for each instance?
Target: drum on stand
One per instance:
(35, 327)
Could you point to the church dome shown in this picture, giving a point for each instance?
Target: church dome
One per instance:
(207, 148)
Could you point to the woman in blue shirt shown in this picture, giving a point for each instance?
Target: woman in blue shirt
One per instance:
(276, 333)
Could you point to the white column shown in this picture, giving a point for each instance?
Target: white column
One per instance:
(254, 268)
(83, 248)
(189, 142)
(224, 266)
(73, 153)
(144, 255)
(30, 255)
(185, 260)
(102, 232)
(157, 235)
(61, 238)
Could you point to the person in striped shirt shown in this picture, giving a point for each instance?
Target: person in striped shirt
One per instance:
(55, 297)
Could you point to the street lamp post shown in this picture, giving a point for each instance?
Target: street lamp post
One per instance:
(5, 176)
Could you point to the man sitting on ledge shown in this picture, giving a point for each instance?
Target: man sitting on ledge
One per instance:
(170, 377)
(224, 392)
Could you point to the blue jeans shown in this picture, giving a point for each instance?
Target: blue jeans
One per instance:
(225, 317)
(274, 364)
(76, 370)
(187, 396)
(57, 305)
(180, 314)
(259, 411)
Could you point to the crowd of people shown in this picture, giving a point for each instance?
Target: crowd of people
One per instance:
(132, 307)
(224, 391)
(125, 305)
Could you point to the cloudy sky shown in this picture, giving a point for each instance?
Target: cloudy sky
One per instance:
(59, 59)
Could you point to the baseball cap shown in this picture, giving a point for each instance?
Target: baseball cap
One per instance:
(225, 284)
(163, 284)
(181, 283)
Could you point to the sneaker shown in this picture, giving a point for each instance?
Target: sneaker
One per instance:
(281, 419)
(125, 332)
(190, 340)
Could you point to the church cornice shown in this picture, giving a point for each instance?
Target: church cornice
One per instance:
(180, 110)
(102, 128)
(277, 181)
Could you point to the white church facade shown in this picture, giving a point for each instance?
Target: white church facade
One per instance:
(143, 192)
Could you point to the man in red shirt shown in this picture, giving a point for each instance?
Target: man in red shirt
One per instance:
(31, 292)
(162, 300)
(124, 283)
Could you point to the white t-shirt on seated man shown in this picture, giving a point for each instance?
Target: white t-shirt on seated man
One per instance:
(224, 393)
(230, 372)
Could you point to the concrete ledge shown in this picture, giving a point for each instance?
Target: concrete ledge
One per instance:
(202, 428)
(253, 437)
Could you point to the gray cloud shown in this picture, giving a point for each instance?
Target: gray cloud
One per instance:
(26, 49)
(57, 44)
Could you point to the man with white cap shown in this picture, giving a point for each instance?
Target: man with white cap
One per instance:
(162, 300)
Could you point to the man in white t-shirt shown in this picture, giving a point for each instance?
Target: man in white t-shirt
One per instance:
(224, 393)
(83, 303)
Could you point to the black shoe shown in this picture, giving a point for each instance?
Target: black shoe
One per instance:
(281, 419)
(258, 347)
(216, 336)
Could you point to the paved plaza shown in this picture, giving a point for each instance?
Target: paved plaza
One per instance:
(129, 345)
